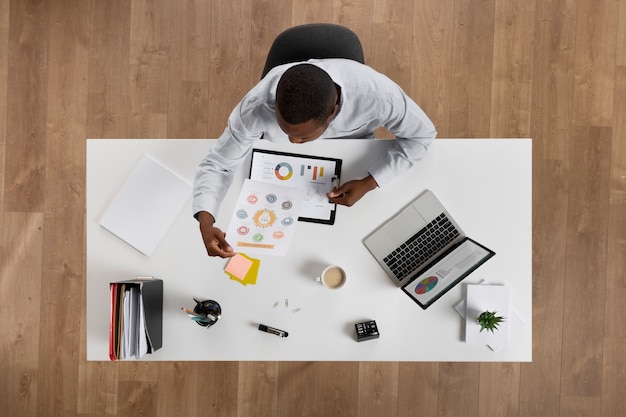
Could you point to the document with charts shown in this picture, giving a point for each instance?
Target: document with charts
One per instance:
(313, 174)
(264, 219)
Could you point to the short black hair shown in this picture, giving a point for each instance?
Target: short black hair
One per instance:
(305, 92)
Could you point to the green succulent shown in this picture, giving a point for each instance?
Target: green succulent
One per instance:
(488, 320)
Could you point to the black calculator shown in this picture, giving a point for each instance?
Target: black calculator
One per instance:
(366, 330)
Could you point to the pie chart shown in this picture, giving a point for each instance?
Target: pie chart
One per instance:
(426, 285)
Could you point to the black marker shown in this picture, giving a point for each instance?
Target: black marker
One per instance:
(268, 329)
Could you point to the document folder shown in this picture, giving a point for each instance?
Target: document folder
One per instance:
(136, 325)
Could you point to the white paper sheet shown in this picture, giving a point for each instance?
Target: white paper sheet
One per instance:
(516, 322)
(315, 176)
(146, 205)
(482, 298)
(265, 218)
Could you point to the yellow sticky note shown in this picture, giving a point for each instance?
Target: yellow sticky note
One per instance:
(243, 269)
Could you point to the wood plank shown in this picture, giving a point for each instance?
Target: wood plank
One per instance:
(97, 388)
(418, 389)
(109, 52)
(499, 392)
(615, 324)
(614, 377)
(177, 389)
(190, 41)
(471, 66)
(20, 299)
(552, 78)
(338, 389)
(63, 252)
(137, 398)
(258, 389)
(189, 70)
(150, 27)
(188, 117)
(142, 125)
(26, 105)
(431, 68)
(458, 389)
(594, 65)
(580, 406)
(378, 389)
(217, 389)
(229, 61)
(4, 70)
(305, 11)
(621, 35)
(393, 12)
(585, 286)
(540, 383)
(512, 68)
(298, 380)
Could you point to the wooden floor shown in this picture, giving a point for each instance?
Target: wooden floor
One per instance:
(553, 70)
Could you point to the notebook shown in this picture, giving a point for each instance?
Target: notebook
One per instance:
(424, 250)
(146, 205)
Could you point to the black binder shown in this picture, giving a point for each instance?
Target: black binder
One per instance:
(127, 298)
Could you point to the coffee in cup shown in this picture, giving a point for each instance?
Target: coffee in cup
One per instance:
(332, 277)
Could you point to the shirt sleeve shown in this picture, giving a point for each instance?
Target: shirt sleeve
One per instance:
(216, 171)
(414, 133)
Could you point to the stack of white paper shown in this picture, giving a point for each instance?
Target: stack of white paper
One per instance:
(146, 205)
(481, 297)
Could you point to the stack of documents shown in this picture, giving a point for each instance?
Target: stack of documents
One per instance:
(136, 318)
(481, 297)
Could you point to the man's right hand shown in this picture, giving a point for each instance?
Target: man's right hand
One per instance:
(214, 239)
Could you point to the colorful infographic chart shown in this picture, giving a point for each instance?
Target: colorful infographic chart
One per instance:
(426, 285)
(265, 216)
(315, 175)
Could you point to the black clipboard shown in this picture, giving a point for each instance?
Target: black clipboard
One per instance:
(317, 172)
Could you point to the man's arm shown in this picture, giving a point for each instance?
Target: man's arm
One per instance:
(414, 133)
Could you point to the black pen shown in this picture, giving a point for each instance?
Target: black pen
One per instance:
(277, 332)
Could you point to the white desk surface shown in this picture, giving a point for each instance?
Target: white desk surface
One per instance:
(484, 183)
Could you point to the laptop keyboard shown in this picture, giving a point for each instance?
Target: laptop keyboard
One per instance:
(420, 247)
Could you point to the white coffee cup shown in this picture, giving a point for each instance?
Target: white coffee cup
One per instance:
(333, 277)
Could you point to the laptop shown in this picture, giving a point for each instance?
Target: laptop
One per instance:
(424, 250)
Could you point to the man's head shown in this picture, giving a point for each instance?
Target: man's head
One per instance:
(306, 101)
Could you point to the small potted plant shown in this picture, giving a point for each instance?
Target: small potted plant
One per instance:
(488, 320)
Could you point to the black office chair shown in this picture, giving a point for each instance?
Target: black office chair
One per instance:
(315, 40)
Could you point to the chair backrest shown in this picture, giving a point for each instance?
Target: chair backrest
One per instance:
(316, 40)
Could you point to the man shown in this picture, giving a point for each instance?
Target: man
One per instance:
(301, 102)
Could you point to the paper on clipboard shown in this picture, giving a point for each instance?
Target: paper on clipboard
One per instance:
(316, 175)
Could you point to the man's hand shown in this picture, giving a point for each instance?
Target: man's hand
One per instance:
(352, 191)
(213, 237)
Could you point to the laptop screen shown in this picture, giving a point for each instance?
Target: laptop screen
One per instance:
(442, 275)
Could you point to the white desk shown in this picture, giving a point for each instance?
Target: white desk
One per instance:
(485, 184)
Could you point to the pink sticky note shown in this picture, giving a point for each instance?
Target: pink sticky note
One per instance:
(238, 266)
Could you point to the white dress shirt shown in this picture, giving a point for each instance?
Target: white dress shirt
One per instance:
(368, 100)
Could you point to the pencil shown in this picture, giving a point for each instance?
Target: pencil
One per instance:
(195, 316)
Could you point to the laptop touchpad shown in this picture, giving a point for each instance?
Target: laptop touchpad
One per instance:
(404, 225)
